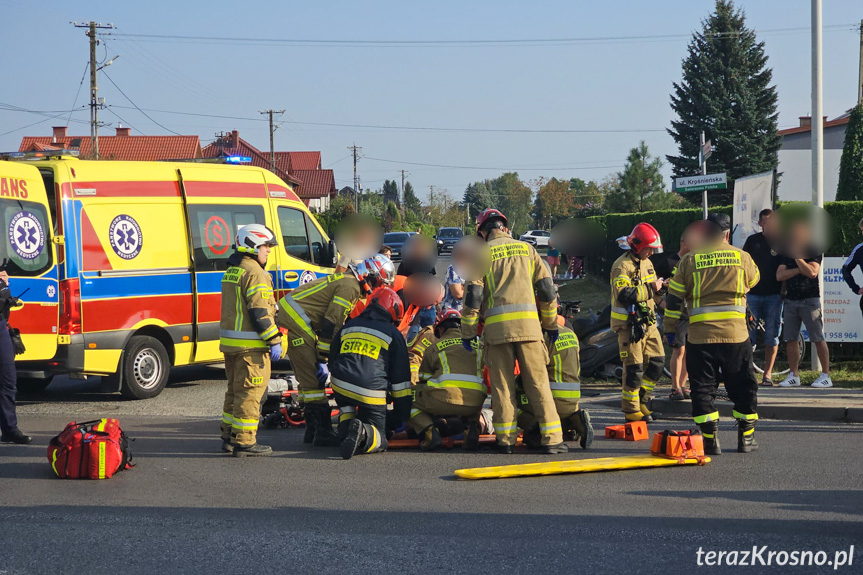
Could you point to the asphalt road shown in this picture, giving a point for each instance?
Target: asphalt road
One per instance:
(186, 508)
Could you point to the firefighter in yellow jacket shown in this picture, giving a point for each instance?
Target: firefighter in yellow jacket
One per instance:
(451, 385)
(633, 286)
(513, 330)
(417, 347)
(313, 313)
(713, 280)
(563, 374)
(249, 339)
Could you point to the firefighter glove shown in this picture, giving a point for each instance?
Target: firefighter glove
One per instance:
(276, 352)
(323, 373)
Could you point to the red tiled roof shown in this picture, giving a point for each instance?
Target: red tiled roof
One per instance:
(304, 161)
(316, 183)
(125, 148)
(801, 129)
(222, 147)
(283, 161)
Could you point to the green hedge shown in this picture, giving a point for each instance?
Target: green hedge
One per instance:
(669, 223)
(845, 217)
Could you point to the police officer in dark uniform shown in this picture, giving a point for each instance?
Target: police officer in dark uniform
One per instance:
(8, 376)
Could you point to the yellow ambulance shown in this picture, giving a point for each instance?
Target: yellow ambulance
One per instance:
(120, 263)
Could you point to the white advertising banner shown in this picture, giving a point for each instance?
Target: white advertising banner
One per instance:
(842, 318)
(751, 195)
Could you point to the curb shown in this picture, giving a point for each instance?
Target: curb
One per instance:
(787, 412)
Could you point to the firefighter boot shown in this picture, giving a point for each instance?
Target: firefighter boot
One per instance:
(746, 436)
(430, 438)
(710, 432)
(309, 435)
(325, 435)
(583, 428)
(355, 436)
(556, 448)
(256, 450)
(471, 437)
(531, 438)
(646, 411)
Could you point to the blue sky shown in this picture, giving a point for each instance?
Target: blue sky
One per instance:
(599, 85)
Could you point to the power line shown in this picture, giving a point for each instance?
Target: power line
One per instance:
(490, 168)
(451, 43)
(125, 122)
(422, 128)
(136, 105)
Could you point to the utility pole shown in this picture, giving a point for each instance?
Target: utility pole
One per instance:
(273, 129)
(817, 142)
(91, 33)
(703, 173)
(355, 150)
(860, 72)
(403, 194)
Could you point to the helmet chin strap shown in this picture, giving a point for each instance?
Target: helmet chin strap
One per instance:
(364, 284)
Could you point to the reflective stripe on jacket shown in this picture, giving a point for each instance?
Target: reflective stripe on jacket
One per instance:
(369, 361)
(714, 282)
(319, 308)
(248, 308)
(453, 374)
(509, 294)
(630, 279)
(564, 369)
(417, 347)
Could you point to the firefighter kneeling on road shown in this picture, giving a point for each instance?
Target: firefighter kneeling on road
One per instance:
(633, 285)
(714, 280)
(563, 375)
(513, 331)
(312, 313)
(370, 362)
(249, 338)
(451, 385)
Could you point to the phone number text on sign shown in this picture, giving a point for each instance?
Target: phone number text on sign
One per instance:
(843, 320)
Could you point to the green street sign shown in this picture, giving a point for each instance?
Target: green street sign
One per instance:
(690, 184)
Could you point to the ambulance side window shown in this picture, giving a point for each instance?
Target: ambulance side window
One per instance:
(25, 238)
(214, 231)
(294, 236)
(319, 246)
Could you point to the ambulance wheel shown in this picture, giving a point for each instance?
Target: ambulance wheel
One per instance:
(145, 368)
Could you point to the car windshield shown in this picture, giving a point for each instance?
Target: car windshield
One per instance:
(449, 233)
(395, 238)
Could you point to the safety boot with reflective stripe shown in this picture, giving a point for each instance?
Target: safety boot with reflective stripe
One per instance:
(710, 432)
(746, 436)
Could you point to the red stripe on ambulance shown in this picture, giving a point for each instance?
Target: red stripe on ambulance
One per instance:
(126, 313)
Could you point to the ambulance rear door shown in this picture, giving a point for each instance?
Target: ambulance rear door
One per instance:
(27, 244)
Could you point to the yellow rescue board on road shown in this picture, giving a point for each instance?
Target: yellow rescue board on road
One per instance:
(572, 466)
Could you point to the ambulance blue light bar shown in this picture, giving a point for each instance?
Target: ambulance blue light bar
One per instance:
(238, 159)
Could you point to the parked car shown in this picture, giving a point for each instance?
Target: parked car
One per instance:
(396, 240)
(537, 238)
(447, 239)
